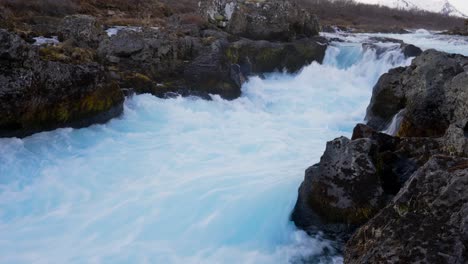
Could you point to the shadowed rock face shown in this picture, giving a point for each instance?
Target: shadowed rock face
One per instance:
(419, 177)
(356, 178)
(432, 91)
(85, 31)
(326, 201)
(37, 95)
(78, 81)
(158, 62)
(259, 19)
(427, 222)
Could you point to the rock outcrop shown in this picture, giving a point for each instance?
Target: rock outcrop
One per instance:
(158, 62)
(150, 60)
(418, 177)
(356, 178)
(427, 222)
(80, 80)
(37, 95)
(326, 191)
(408, 50)
(84, 30)
(259, 19)
(432, 91)
(264, 56)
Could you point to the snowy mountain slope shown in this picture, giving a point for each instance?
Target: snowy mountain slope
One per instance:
(437, 6)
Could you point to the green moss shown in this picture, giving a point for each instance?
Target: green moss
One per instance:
(268, 59)
(140, 82)
(401, 209)
(66, 54)
(62, 113)
(49, 115)
(354, 216)
(208, 40)
(52, 53)
(233, 55)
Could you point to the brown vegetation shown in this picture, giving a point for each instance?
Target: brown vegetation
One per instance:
(112, 12)
(366, 17)
(344, 13)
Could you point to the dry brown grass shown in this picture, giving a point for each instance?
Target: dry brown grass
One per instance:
(121, 12)
(192, 18)
(368, 17)
(154, 12)
(40, 7)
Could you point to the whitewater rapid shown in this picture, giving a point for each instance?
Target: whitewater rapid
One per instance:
(185, 180)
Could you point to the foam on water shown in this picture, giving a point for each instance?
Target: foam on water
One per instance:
(421, 38)
(185, 180)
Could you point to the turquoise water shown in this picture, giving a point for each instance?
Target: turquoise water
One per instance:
(185, 180)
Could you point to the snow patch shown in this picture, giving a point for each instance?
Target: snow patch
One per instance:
(46, 41)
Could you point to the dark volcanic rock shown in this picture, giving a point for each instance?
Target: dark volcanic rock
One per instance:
(422, 190)
(427, 222)
(84, 30)
(344, 188)
(411, 50)
(37, 95)
(433, 91)
(150, 61)
(159, 62)
(261, 20)
(356, 178)
(213, 73)
(264, 56)
(408, 50)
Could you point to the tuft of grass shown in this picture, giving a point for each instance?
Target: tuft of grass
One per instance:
(66, 53)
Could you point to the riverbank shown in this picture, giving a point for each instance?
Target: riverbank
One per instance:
(401, 193)
(215, 56)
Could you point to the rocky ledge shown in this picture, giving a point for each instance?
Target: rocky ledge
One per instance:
(81, 80)
(403, 197)
(38, 94)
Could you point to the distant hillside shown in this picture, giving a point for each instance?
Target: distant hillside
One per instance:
(444, 7)
(368, 17)
(18, 14)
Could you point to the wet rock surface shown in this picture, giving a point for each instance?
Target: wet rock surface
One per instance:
(426, 222)
(407, 191)
(432, 91)
(356, 178)
(37, 95)
(208, 62)
(326, 189)
(259, 20)
(84, 30)
(80, 79)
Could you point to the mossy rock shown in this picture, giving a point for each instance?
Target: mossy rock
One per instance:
(67, 54)
(267, 56)
(331, 214)
(71, 110)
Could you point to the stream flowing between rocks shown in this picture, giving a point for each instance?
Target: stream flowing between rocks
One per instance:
(186, 180)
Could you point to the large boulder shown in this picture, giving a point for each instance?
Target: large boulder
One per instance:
(344, 188)
(84, 30)
(37, 95)
(265, 56)
(150, 60)
(261, 19)
(212, 72)
(427, 222)
(159, 62)
(432, 91)
(356, 178)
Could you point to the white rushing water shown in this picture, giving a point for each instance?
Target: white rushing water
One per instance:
(185, 180)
